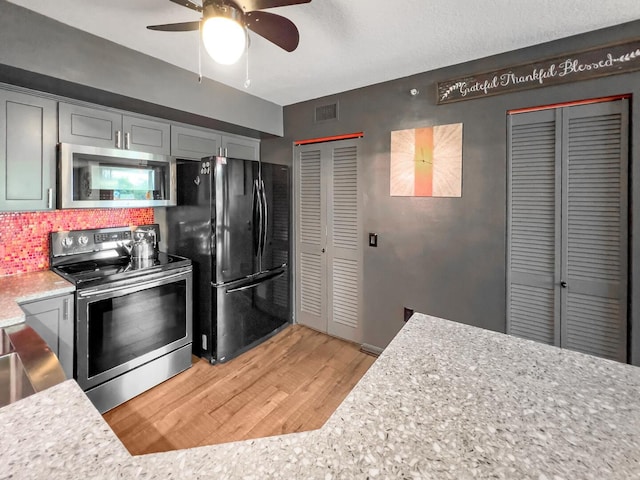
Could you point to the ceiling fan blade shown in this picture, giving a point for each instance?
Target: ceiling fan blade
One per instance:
(253, 5)
(278, 30)
(188, 4)
(176, 27)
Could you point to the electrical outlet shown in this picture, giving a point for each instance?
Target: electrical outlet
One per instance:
(373, 239)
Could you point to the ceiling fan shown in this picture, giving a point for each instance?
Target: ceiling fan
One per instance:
(225, 24)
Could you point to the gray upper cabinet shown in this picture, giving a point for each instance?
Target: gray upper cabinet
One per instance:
(88, 126)
(110, 129)
(27, 152)
(241, 147)
(146, 135)
(195, 143)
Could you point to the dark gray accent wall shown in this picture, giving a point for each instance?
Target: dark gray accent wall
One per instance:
(36, 47)
(447, 256)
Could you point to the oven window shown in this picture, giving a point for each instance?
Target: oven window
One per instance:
(126, 327)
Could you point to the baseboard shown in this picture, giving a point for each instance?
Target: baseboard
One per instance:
(371, 349)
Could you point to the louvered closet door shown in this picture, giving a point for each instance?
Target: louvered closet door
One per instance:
(311, 266)
(534, 225)
(344, 250)
(328, 259)
(568, 227)
(594, 257)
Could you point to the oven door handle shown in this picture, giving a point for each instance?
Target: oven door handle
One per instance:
(137, 286)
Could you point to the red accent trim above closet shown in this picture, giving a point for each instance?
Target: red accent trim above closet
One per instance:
(329, 139)
(569, 104)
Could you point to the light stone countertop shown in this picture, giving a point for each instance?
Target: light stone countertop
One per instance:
(26, 287)
(443, 401)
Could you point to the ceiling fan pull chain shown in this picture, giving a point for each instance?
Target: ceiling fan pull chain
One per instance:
(247, 82)
(199, 54)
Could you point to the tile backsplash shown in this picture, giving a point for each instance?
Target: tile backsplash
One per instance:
(24, 236)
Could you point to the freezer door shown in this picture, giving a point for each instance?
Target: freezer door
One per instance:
(247, 313)
(235, 218)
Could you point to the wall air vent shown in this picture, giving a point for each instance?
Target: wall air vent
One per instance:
(326, 113)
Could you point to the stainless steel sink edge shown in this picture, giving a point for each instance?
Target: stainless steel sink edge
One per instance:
(27, 364)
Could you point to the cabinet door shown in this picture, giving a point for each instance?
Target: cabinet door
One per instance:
(53, 319)
(27, 152)
(146, 135)
(192, 143)
(241, 147)
(88, 126)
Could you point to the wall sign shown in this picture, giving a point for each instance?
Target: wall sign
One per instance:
(584, 65)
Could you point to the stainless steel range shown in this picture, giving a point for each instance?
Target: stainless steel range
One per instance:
(133, 312)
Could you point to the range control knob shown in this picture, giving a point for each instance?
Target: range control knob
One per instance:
(83, 240)
(67, 242)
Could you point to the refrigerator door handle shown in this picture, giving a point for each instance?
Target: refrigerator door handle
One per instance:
(256, 282)
(257, 217)
(265, 221)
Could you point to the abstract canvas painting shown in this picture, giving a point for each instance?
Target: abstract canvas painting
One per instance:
(427, 162)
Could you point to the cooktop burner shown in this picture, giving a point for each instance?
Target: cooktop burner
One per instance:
(115, 268)
(94, 257)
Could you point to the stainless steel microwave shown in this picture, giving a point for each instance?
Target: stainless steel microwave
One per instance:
(93, 177)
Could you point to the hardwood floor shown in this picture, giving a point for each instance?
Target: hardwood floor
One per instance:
(291, 383)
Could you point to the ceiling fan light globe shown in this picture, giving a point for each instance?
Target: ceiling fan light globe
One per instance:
(224, 39)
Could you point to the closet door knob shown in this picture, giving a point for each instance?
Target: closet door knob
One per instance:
(563, 284)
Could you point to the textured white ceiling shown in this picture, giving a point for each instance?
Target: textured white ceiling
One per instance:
(346, 44)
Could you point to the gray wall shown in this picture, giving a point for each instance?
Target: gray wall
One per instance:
(41, 53)
(443, 256)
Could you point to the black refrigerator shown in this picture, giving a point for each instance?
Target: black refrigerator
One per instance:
(232, 221)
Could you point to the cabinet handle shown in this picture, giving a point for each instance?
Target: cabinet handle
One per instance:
(49, 198)
(563, 284)
(118, 139)
(127, 141)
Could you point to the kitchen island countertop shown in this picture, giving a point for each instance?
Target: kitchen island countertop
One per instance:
(27, 287)
(443, 401)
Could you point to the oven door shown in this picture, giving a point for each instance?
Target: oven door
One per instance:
(123, 325)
